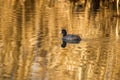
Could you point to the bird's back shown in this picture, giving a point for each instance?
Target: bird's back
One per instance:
(71, 38)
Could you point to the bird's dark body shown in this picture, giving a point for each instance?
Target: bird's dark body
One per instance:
(70, 38)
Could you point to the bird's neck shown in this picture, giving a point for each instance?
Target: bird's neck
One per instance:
(64, 34)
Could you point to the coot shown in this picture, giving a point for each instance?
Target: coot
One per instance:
(70, 38)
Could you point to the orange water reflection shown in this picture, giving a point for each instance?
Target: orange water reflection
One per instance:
(30, 42)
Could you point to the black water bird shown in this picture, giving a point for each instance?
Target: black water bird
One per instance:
(70, 38)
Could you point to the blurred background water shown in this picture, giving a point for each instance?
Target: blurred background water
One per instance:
(30, 40)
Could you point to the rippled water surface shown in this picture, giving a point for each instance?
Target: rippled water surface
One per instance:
(30, 42)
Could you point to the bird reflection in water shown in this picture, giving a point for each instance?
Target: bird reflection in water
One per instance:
(69, 38)
(63, 45)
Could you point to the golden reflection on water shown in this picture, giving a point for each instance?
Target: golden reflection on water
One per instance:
(30, 43)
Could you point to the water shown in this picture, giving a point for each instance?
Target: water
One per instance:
(30, 42)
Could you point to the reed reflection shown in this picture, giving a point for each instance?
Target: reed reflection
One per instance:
(30, 43)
